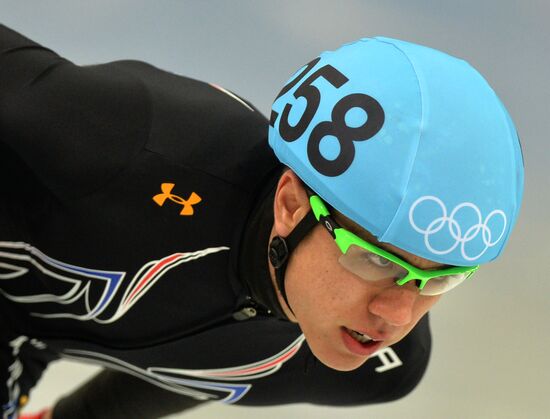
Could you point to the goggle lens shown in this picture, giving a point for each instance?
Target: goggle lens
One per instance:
(441, 284)
(373, 267)
(370, 266)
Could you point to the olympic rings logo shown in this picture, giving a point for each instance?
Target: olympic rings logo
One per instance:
(455, 230)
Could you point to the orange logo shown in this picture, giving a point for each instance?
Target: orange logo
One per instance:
(166, 189)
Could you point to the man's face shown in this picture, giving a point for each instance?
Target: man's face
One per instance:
(328, 301)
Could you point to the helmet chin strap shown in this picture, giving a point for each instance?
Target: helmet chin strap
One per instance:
(281, 248)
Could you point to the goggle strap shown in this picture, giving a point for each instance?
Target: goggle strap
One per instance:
(292, 241)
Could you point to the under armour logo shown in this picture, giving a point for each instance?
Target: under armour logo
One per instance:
(166, 189)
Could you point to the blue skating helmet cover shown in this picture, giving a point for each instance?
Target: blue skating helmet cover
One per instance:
(407, 141)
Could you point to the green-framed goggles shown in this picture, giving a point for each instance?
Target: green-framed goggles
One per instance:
(374, 264)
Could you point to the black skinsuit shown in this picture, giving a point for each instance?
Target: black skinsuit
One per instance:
(135, 207)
